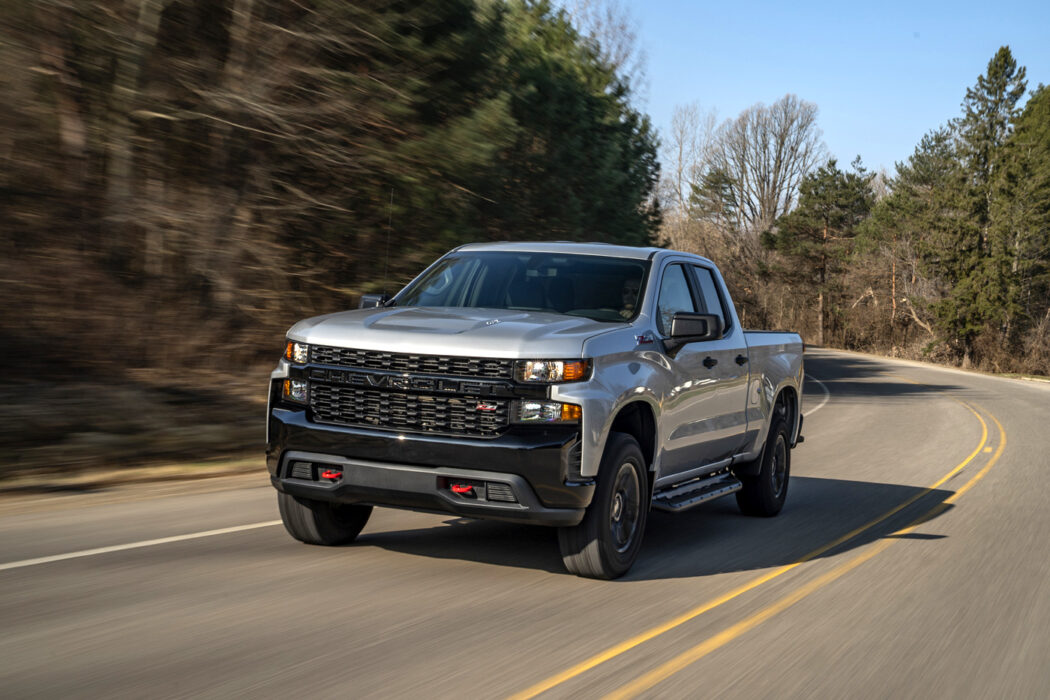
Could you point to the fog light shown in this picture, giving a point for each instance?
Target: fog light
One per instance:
(295, 390)
(547, 412)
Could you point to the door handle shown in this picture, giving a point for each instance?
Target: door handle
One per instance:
(741, 360)
(710, 362)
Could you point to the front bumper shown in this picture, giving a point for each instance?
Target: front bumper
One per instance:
(538, 464)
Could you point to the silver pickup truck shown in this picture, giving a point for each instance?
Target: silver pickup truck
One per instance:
(568, 384)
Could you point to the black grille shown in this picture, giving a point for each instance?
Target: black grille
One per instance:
(303, 470)
(371, 408)
(410, 362)
(495, 491)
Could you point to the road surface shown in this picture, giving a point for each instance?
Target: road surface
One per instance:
(912, 560)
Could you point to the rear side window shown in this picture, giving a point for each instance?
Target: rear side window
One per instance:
(709, 295)
(674, 296)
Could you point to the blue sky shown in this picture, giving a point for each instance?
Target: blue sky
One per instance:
(882, 74)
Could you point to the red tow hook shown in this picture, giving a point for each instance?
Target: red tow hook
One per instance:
(332, 474)
(463, 490)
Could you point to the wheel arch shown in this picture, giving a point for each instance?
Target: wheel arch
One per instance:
(787, 404)
(638, 419)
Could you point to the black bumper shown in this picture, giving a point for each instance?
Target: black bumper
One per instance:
(415, 471)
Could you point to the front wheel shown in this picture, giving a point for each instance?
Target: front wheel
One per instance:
(321, 522)
(606, 542)
(764, 494)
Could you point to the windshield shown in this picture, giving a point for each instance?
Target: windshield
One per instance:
(595, 287)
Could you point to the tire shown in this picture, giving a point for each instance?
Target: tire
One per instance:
(763, 494)
(607, 541)
(321, 522)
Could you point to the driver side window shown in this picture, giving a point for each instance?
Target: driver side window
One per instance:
(674, 296)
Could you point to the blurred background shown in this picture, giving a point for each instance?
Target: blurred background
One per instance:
(182, 180)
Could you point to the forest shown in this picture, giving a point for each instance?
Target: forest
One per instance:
(184, 179)
(947, 259)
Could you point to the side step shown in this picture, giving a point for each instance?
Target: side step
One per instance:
(679, 497)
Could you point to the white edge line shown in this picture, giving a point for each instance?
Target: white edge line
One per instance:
(134, 545)
(827, 395)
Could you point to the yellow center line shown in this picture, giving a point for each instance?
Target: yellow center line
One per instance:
(625, 646)
(683, 660)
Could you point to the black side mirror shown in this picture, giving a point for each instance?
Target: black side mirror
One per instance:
(687, 327)
(370, 301)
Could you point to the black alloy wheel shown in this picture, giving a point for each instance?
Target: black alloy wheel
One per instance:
(764, 493)
(606, 542)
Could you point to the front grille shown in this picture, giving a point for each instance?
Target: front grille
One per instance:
(372, 408)
(411, 362)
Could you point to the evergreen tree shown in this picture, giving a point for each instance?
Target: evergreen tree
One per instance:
(816, 236)
(1020, 217)
(713, 199)
(582, 165)
(975, 267)
(911, 227)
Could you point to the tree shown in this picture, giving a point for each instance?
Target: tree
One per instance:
(763, 155)
(610, 25)
(583, 164)
(907, 227)
(816, 237)
(227, 166)
(976, 268)
(685, 152)
(1020, 220)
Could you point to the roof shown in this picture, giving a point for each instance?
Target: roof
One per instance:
(569, 248)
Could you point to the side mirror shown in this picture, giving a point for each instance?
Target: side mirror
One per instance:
(370, 301)
(687, 327)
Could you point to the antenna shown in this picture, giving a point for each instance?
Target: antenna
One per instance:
(386, 256)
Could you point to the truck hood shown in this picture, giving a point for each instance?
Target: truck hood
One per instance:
(454, 331)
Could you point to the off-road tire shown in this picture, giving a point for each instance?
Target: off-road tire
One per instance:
(606, 542)
(763, 494)
(321, 522)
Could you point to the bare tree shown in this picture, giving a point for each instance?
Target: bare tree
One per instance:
(686, 154)
(610, 24)
(762, 156)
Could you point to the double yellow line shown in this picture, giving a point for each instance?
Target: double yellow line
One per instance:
(697, 652)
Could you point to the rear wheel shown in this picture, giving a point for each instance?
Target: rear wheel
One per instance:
(321, 522)
(606, 542)
(764, 494)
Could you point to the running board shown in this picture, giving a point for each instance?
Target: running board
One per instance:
(692, 493)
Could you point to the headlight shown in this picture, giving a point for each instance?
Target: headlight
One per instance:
(546, 412)
(298, 353)
(295, 390)
(551, 371)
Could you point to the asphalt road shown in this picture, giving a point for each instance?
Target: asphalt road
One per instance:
(912, 560)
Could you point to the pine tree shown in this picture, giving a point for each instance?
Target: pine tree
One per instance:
(975, 267)
(817, 236)
(910, 227)
(1020, 217)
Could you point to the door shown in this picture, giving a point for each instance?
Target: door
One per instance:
(705, 411)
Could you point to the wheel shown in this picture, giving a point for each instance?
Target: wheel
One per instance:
(764, 493)
(321, 522)
(606, 542)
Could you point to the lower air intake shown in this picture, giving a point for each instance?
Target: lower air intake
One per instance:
(499, 492)
(302, 470)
